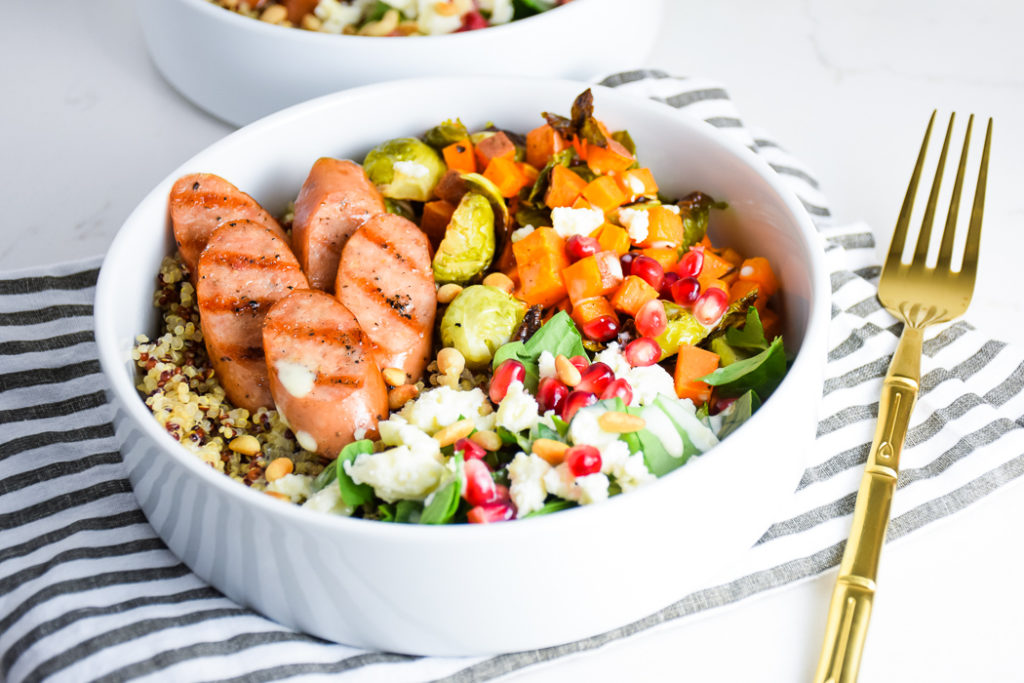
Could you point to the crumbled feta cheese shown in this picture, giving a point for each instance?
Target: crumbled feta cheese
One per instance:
(413, 169)
(396, 431)
(647, 382)
(518, 410)
(298, 487)
(636, 222)
(398, 473)
(442, 406)
(629, 470)
(568, 222)
(526, 473)
(672, 207)
(306, 440)
(520, 233)
(635, 185)
(432, 23)
(335, 16)
(591, 488)
(501, 10)
(585, 428)
(546, 365)
(296, 378)
(328, 499)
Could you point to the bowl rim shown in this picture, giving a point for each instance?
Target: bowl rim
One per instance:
(131, 402)
(216, 11)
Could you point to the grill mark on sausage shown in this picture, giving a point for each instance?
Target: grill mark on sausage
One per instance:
(398, 303)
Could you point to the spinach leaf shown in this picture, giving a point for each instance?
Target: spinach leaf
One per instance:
(741, 410)
(657, 459)
(408, 511)
(762, 373)
(352, 493)
(750, 336)
(553, 506)
(376, 12)
(326, 477)
(557, 336)
(561, 425)
(445, 502)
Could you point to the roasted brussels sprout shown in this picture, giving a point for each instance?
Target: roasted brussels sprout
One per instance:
(404, 168)
(444, 134)
(481, 185)
(479, 320)
(468, 245)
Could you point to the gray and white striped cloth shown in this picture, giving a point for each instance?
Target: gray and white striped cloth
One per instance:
(88, 591)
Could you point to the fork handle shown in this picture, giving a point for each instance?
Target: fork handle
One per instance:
(850, 609)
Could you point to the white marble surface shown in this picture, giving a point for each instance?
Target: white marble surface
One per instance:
(88, 127)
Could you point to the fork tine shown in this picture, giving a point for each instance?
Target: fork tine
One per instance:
(970, 262)
(899, 235)
(949, 232)
(923, 238)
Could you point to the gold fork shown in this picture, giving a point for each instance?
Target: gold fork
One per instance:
(919, 296)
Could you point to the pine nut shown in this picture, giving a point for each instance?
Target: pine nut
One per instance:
(401, 395)
(453, 432)
(487, 440)
(274, 14)
(501, 281)
(450, 361)
(386, 24)
(550, 450)
(395, 377)
(567, 372)
(621, 423)
(310, 22)
(446, 8)
(448, 292)
(280, 496)
(278, 468)
(246, 444)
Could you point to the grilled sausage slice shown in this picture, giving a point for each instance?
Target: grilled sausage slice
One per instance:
(199, 202)
(335, 200)
(244, 269)
(386, 280)
(322, 374)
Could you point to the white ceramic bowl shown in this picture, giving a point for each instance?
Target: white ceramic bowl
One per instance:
(473, 589)
(240, 69)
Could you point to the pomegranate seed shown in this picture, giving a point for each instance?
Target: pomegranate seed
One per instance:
(595, 378)
(576, 400)
(648, 269)
(492, 512)
(551, 393)
(583, 460)
(722, 404)
(602, 328)
(506, 373)
(472, 21)
(710, 306)
(691, 263)
(651, 319)
(618, 388)
(642, 352)
(479, 485)
(501, 494)
(666, 285)
(581, 362)
(471, 450)
(581, 246)
(686, 290)
(626, 261)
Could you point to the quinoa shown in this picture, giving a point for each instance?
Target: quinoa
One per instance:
(180, 387)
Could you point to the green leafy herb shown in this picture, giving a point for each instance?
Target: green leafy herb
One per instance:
(750, 336)
(761, 373)
(553, 506)
(745, 406)
(445, 502)
(352, 493)
(557, 336)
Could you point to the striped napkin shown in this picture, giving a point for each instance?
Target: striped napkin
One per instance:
(88, 591)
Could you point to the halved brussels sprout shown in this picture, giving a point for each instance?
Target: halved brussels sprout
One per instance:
(479, 320)
(468, 245)
(684, 328)
(444, 134)
(404, 168)
(484, 186)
